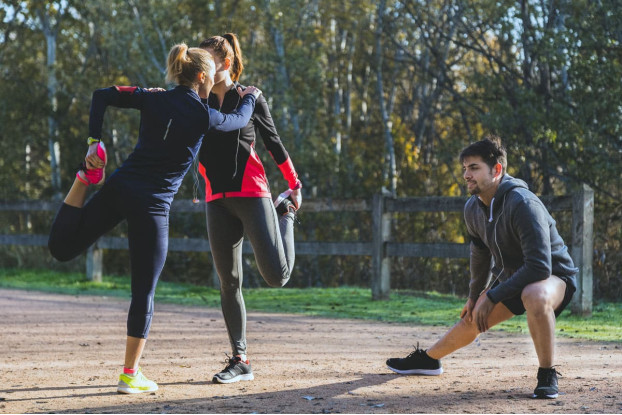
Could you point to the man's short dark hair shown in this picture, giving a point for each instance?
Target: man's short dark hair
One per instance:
(489, 149)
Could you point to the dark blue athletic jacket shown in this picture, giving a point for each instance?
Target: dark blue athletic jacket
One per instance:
(172, 126)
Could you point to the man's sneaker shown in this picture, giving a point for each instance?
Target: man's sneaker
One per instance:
(235, 371)
(284, 203)
(416, 363)
(94, 176)
(135, 384)
(547, 384)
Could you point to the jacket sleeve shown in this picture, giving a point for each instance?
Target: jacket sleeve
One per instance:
(234, 120)
(116, 96)
(264, 124)
(529, 221)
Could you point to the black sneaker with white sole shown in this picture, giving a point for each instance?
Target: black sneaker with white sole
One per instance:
(284, 203)
(416, 363)
(235, 371)
(286, 206)
(547, 384)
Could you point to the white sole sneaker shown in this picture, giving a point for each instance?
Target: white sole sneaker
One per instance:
(423, 372)
(246, 376)
(124, 388)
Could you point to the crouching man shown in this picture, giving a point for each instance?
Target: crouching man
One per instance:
(513, 232)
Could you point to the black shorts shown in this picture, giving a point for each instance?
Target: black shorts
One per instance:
(516, 306)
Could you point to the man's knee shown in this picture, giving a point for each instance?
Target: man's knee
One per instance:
(537, 298)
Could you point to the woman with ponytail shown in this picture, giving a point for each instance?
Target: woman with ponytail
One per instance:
(239, 201)
(172, 126)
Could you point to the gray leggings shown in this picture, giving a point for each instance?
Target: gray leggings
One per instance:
(272, 238)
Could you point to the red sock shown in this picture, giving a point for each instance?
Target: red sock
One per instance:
(130, 371)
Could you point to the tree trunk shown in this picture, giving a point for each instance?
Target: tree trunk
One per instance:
(51, 34)
(337, 90)
(157, 57)
(348, 94)
(290, 109)
(390, 164)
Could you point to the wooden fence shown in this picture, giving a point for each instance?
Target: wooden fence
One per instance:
(380, 248)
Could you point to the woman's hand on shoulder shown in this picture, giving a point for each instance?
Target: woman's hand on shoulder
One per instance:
(249, 90)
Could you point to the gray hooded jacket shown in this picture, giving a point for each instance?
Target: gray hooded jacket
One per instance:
(519, 234)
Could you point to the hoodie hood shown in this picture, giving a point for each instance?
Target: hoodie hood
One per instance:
(507, 183)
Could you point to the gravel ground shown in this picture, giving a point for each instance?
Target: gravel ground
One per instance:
(63, 354)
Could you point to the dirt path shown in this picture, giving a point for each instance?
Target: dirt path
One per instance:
(64, 354)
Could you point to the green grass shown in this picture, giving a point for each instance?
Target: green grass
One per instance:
(411, 307)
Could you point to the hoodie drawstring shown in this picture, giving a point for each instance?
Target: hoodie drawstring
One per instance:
(492, 202)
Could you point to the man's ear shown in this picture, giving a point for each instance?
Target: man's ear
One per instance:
(498, 169)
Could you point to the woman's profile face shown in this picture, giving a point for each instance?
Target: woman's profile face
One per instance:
(222, 69)
(206, 86)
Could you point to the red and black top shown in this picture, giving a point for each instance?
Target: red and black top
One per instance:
(228, 161)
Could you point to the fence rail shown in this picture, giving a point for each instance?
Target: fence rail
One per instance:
(380, 248)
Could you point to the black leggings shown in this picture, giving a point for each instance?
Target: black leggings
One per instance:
(75, 229)
(272, 239)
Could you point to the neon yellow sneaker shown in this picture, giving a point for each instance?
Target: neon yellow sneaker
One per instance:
(136, 384)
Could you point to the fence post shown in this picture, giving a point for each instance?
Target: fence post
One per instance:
(583, 248)
(94, 261)
(381, 263)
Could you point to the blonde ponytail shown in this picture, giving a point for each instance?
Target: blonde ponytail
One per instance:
(184, 64)
(174, 65)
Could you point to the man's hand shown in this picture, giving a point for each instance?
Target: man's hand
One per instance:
(467, 311)
(482, 310)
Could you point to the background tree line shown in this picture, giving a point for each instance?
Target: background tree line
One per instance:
(367, 96)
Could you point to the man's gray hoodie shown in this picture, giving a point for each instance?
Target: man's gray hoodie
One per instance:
(518, 232)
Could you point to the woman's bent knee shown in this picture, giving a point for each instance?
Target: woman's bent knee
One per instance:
(277, 282)
(60, 252)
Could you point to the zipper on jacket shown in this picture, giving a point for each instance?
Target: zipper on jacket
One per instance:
(167, 127)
